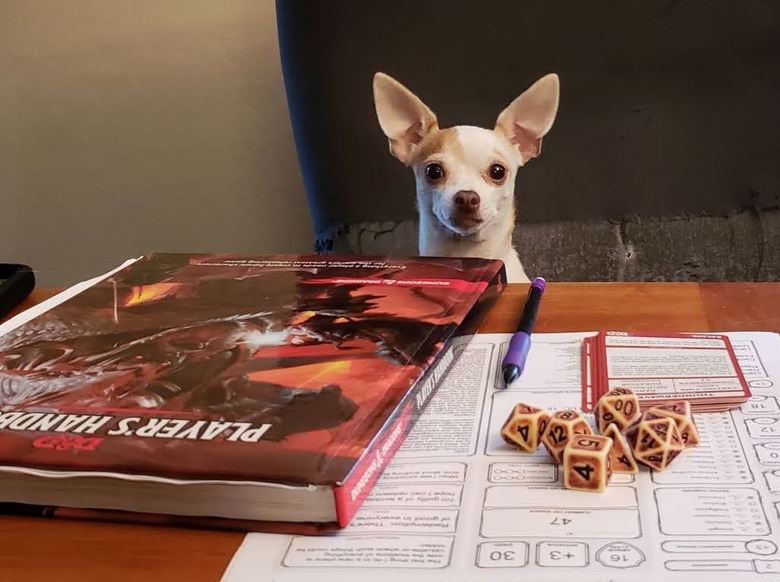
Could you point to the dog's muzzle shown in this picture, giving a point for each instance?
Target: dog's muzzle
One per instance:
(467, 214)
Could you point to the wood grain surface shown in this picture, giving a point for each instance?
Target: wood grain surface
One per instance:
(35, 549)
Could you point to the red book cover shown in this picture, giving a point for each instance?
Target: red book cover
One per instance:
(292, 370)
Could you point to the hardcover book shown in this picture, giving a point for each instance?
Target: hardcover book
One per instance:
(268, 389)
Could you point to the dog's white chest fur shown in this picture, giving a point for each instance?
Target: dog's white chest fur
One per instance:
(435, 241)
(465, 175)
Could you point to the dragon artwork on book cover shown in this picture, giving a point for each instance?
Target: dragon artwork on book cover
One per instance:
(168, 336)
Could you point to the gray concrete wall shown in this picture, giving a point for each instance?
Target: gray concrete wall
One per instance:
(131, 125)
(743, 246)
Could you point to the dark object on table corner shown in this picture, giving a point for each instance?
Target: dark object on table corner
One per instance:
(16, 283)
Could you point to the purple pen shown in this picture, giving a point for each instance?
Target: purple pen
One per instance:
(514, 360)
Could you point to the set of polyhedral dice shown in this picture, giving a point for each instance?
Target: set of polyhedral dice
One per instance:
(628, 436)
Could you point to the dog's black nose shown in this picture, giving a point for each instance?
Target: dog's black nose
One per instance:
(467, 200)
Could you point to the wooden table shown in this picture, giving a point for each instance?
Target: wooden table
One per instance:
(35, 549)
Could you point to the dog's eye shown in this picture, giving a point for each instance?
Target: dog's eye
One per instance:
(497, 172)
(434, 172)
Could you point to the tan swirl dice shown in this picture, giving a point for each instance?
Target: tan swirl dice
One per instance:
(619, 406)
(656, 441)
(680, 412)
(563, 425)
(524, 426)
(621, 459)
(586, 465)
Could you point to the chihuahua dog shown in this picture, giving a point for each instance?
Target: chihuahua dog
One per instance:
(465, 175)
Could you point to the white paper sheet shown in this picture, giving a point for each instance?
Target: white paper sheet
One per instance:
(458, 504)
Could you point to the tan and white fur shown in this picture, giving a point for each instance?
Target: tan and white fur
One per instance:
(465, 175)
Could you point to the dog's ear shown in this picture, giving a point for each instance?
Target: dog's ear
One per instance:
(403, 117)
(529, 117)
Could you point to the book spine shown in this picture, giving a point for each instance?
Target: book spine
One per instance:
(351, 494)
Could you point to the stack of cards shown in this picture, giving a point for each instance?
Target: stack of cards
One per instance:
(700, 368)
